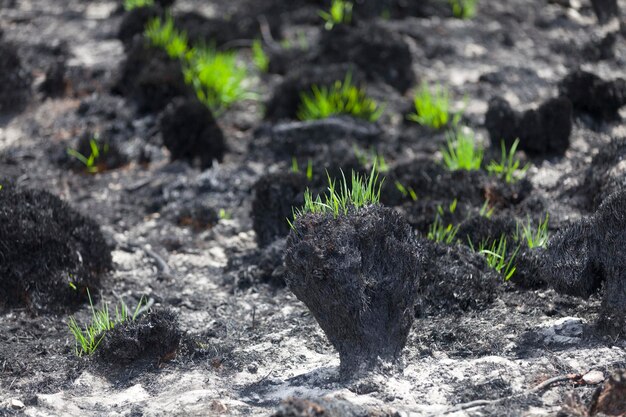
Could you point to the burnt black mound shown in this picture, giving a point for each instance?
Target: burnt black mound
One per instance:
(14, 80)
(154, 337)
(53, 248)
(191, 133)
(358, 274)
(591, 253)
(275, 197)
(383, 55)
(149, 77)
(607, 172)
(456, 279)
(591, 94)
(545, 130)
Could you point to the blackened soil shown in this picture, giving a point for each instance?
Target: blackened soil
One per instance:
(205, 240)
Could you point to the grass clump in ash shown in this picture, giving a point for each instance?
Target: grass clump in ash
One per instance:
(438, 231)
(462, 152)
(342, 97)
(163, 34)
(340, 12)
(359, 192)
(497, 256)
(135, 4)
(463, 9)
(508, 168)
(102, 320)
(534, 237)
(217, 77)
(432, 107)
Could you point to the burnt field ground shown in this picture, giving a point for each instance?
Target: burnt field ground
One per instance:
(121, 184)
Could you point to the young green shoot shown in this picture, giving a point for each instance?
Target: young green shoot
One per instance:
(367, 159)
(341, 98)
(463, 9)
(340, 13)
(217, 77)
(90, 162)
(533, 237)
(296, 168)
(441, 233)
(135, 4)
(165, 36)
(462, 152)
(259, 57)
(496, 256)
(486, 211)
(223, 214)
(508, 168)
(360, 192)
(432, 107)
(88, 338)
(407, 192)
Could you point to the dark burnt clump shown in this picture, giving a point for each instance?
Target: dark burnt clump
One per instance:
(541, 131)
(358, 274)
(134, 23)
(606, 173)
(456, 279)
(50, 254)
(150, 78)
(191, 133)
(14, 79)
(591, 253)
(155, 336)
(593, 95)
(275, 196)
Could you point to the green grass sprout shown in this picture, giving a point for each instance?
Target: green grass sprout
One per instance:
(165, 36)
(340, 13)
(462, 152)
(135, 4)
(508, 168)
(259, 57)
(360, 192)
(296, 168)
(341, 98)
(533, 237)
(88, 338)
(432, 108)
(496, 256)
(463, 9)
(486, 210)
(217, 77)
(441, 233)
(408, 192)
(367, 159)
(90, 162)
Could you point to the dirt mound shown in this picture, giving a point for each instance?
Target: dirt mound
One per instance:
(456, 279)
(275, 197)
(606, 173)
(155, 336)
(358, 274)
(590, 253)
(150, 78)
(14, 80)
(545, 130)
(134, 23)
(55, 253)
(591, 94)
(382, 55)
(191, 133)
